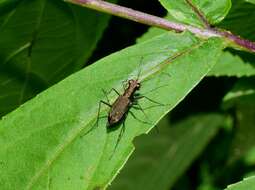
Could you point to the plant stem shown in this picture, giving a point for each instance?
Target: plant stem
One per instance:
(151, 20)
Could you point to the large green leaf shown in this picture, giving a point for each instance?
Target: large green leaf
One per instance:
(246, 184)
(173, 149)
(41, 42)
(43, 143)
(213, 11)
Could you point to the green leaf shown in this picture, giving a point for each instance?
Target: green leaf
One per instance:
(41, 42)
(173, 149)
(152, 32)
(247, 183)
(242, 99)
(206, 177)
(251, 1)
(43, 143)
(5, 5)
(241, 94)
(249, 158)
(214, 11)
(12, 91)
(232, 65)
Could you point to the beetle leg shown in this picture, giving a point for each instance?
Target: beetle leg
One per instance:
(139, 119)
(153, 101)
(98, 116)
(139, 107)
(122, 130)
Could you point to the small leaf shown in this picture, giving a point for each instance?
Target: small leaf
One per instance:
(242, 92)
(232, 65)
(214, 11)
(247, 183)
(173, 149)
(43, 143)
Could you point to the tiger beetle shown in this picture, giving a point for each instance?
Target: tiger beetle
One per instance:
(120, 108)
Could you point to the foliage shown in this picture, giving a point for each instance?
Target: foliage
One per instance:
(246, 184)
(49, 96)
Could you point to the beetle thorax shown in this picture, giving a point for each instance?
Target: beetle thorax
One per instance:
(133, 85)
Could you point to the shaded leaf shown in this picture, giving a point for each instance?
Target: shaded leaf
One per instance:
(41, 42)
(242, 99)
(232, 65)
(241, 19)
(6, 5)
(206, 181)
(43, 141)
(249, 158)
(173, 149)
(247, 183)
(251, 1)
(241, 94)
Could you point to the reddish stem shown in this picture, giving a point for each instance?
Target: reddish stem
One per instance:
(151, 20)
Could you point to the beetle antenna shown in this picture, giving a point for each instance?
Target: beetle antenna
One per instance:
(140, 68)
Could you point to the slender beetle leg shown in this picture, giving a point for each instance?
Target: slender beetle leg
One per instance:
(99, 109)
(153, 101)
(139, 119)
(139, 107)
(122, 130)
(98, 116)
(112, 89)
(154, 89)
